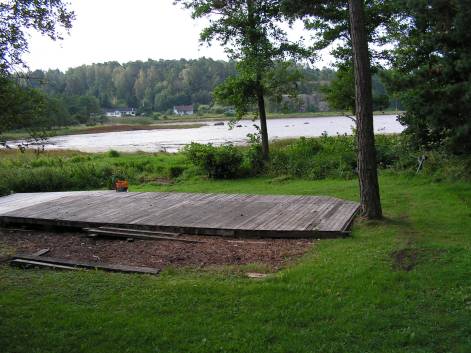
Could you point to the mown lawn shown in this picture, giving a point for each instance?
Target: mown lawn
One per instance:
(399, 285)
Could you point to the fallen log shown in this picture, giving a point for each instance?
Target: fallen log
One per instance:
(43, 261)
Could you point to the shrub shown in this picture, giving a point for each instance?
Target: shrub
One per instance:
(254, 155)
(113, 154)
(175, 171)
(223, 162)
(315, 158)
(4, 190)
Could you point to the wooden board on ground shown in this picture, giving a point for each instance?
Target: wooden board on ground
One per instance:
(66, 264)
(126, 233)
(237, 215)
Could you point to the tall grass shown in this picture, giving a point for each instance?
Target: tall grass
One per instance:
(307, 158)
(59, 171)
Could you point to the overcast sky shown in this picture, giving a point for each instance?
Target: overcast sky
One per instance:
(124, 30)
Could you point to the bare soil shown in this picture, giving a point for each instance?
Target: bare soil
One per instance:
(408, 258)
(274, 253)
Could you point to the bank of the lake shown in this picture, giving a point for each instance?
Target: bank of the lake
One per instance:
(216, 133)
(165, 122)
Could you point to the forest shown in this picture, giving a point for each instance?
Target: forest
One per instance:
(158, 85)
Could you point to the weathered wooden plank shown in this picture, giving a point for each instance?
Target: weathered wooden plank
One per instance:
(30, 263)
(140, 231)
(41, 252)
(129, 234)
(83, 264)
(192, 213)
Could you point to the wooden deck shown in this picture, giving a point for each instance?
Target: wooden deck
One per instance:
(210, 214)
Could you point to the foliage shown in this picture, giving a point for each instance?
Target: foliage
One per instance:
(431, 73)
(113, 153)
(61, 171)
(310, 158)
(153, 85)
(222, 162)
(329, 24)
(18, 16)
(26, 108)
(237, 91)
(340, 93)
(316, 158)
(254, 154)
(250, 32)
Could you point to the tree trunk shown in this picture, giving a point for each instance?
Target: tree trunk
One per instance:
(263, 121)
(252, 36)
(367, 168)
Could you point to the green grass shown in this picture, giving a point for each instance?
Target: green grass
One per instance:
(69, 170)
(345, 295)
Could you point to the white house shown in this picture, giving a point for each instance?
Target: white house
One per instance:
(120, 112)
(183, 109)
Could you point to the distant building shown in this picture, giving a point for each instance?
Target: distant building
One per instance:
(183, 109)
(120, 112)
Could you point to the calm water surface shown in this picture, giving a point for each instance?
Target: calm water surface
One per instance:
(172, 140)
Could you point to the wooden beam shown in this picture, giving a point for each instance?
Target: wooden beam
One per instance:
(140, 231)
(66, 264)
(126, 235)
(29, 263)
(41, 252)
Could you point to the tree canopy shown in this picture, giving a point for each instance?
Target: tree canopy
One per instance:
(48, 17)
(26, 107)
(431, 72)
(251, 33)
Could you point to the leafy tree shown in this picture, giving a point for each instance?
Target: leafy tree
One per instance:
(26, 107)
(22, 107)
(432, 72)
(45, 16)
(250, 32)
(340, 93)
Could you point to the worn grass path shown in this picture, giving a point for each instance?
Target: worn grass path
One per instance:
(399, 285)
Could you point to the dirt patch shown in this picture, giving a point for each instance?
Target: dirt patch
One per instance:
(274, 253)
(404, 259)
(407, 259)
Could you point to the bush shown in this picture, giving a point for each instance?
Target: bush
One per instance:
(113, 153)
(176, 170)
(315, 158)
(222, 162)
(255, 164)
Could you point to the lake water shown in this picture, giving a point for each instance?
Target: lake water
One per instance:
(172, 140)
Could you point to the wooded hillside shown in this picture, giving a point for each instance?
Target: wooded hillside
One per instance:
(153, 85)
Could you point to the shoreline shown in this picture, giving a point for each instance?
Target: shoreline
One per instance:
(171, 123)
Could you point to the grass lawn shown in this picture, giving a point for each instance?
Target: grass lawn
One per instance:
(399, 285)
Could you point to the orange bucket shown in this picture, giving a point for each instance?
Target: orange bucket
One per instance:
(121, 185)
